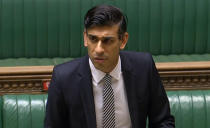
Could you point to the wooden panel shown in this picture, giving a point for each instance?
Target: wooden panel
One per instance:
(201, 65)
(25, 79)
(185, 75)
(175, 76)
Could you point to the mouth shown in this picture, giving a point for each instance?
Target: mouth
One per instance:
(99, 59)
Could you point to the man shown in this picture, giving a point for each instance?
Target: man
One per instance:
(108, 88)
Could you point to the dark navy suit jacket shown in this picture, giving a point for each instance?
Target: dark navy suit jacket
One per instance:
(71, 102)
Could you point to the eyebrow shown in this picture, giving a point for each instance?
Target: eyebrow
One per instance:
(107, 37)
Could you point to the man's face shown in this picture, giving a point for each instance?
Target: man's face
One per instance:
(103, 45)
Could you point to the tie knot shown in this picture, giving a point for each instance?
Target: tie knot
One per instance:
(107, 80)
(107, 77)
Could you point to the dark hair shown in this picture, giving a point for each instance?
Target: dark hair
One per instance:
(106, 15)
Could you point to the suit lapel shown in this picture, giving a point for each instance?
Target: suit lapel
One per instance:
(87, 93)
(129, 79)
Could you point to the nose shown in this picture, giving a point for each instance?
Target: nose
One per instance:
(99, 48)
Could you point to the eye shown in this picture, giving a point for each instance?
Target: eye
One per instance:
(93, 38)
(107, 40)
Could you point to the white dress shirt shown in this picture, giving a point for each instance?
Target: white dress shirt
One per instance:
(122, 114)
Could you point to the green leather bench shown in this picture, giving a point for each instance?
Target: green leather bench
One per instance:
(190, 108)
(43, 32)
(9, 62)
(23, 111)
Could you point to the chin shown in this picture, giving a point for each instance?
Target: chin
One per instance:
(99, 67)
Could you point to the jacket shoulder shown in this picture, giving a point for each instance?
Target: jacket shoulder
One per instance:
(68, 67)
(137, 57)
(137, 62)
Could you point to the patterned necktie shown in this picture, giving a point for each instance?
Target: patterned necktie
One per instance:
(108, 104)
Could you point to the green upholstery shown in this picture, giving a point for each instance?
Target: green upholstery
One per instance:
(59, 60)
(0, 112)
(49, 29)
(190, 108)
(32, 61)
(182, 58)
(23, 111)
(41, 28)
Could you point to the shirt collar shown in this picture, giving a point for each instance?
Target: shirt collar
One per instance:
(98, 75)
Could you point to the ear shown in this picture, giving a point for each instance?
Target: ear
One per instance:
(124, 41)
(85, 38)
